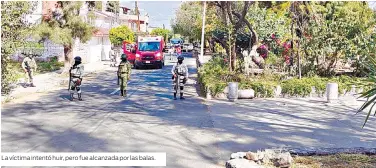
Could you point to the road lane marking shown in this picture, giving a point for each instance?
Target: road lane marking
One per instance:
(115, 91)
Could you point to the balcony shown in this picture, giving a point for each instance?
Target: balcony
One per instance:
(134, 18)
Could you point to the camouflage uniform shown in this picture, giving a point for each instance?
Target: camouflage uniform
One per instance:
(29, 65)
(124, 74)
(76, 74)
(180, 76)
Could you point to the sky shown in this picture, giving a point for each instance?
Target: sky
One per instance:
(160, 12)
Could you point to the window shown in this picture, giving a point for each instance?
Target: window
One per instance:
(149, 46)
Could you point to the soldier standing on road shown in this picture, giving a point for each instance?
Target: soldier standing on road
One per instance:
(76, 73)
(180, 76)
(124, 74)
(112, 56)
(29, 66)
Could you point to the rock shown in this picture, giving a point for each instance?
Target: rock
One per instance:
(246, 94)
(251, 156)
(242, 163)
(278, 91)
(221, 96)
(238, 155)
(225, 91)
(283, 160)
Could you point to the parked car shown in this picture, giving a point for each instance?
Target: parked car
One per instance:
(188, 47)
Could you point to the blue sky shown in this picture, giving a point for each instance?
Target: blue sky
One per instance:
(160, 12)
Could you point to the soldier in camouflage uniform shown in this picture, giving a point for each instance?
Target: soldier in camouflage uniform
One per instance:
(76, 74)
(29, 66)
(124, 74)
(179, 76)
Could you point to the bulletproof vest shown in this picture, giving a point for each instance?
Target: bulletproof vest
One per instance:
(30, 63)
(76, 71)
(180, 69)
(123, 68)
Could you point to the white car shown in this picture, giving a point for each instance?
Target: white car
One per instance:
(188, 47)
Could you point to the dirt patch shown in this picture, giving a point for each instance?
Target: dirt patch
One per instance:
(335, 161)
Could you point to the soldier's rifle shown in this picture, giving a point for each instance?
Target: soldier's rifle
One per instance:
(28, 68)
(70, 79)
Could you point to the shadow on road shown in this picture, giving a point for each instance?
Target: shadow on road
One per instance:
(192, 133)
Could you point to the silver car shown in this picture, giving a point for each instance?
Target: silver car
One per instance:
(188, 47)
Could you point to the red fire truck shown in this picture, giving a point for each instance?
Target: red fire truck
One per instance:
(149, 52)
(130, 50)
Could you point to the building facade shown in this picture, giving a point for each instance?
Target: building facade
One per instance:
(98, 47)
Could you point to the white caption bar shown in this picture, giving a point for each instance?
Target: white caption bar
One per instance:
(83, 159)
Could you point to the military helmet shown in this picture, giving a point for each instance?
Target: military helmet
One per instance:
(123, 56)
(180, 58)
(78, 59)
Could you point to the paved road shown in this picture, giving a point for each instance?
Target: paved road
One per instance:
(148, 120)
(193, 133)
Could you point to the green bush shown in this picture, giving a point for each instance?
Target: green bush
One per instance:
(215, 76)
(296, 87)
(49, 66)
(261, 88)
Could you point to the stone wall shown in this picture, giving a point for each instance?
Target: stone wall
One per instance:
(52, 49)
(82, 50)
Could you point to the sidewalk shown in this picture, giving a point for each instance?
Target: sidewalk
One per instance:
(50, 81)
(295, 122)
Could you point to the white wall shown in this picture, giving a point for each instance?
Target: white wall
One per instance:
(36, 16)
(95, 49)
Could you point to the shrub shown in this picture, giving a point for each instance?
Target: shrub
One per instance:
(49, 66)
(215, 76)
(296, 87)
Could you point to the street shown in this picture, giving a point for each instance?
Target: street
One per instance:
(192, 132)
(148, 120)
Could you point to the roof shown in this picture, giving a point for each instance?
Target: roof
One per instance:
(99, 32)
(125, 7)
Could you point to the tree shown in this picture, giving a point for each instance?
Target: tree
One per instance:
(94, 5)
(120, 34)
(165, 33)
(112, 6)
(233, 17)
(332, 33)
(64, 27)
(14, 32)
(370, 64)
(187, 20)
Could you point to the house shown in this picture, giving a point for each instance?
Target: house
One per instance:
(98, 47)
(128, 17)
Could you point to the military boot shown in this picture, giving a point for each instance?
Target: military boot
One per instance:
(79, 97)
(125, 93)
(71, 97)
(181, 96)
(175, 96)
(122, 93)
(32, 85)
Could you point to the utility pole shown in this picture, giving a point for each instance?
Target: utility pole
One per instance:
(203, 33)
(292, 36)
(138, 16)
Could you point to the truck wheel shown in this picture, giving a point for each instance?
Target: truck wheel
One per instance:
(160, 66)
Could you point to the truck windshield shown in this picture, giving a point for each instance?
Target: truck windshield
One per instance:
(148, 46)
